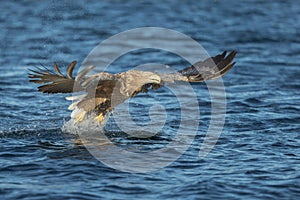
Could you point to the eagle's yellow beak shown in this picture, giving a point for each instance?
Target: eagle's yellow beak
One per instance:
(154, 78)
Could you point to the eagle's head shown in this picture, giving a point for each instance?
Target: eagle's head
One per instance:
(134, 81)
(140, 78)
(150, 77)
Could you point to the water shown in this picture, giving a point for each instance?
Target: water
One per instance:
(257, 155)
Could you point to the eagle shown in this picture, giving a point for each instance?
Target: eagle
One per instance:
(102, 92)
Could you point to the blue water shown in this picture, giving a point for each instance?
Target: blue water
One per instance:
(257, 155)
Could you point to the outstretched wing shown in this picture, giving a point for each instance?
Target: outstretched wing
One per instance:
(54, 81)
(98, 88)
(211, 68)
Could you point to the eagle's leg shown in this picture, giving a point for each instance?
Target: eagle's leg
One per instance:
(100, 117)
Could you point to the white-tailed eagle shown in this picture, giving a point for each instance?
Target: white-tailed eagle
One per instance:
(104, 91)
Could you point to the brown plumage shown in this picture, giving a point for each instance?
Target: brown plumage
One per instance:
(105, 91)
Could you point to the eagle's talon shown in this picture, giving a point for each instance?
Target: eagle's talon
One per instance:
(99, 118)
(80, 117)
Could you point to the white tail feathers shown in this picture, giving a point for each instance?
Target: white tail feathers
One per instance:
(77, 97)
(77, 114)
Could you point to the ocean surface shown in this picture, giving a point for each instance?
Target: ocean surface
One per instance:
(257, 156)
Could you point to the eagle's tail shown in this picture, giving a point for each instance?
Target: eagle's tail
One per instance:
(77, 114)
(55, 81)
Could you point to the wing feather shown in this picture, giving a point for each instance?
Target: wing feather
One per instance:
(57, 69)
(70, 69)
(54, 81)
(210, 68)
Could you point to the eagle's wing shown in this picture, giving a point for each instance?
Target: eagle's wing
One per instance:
(54, 81)
(57, 82)
(211, 68)
(98, 88)
(97, 99)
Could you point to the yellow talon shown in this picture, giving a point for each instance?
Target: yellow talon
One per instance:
(79, 117)
(99, 118)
